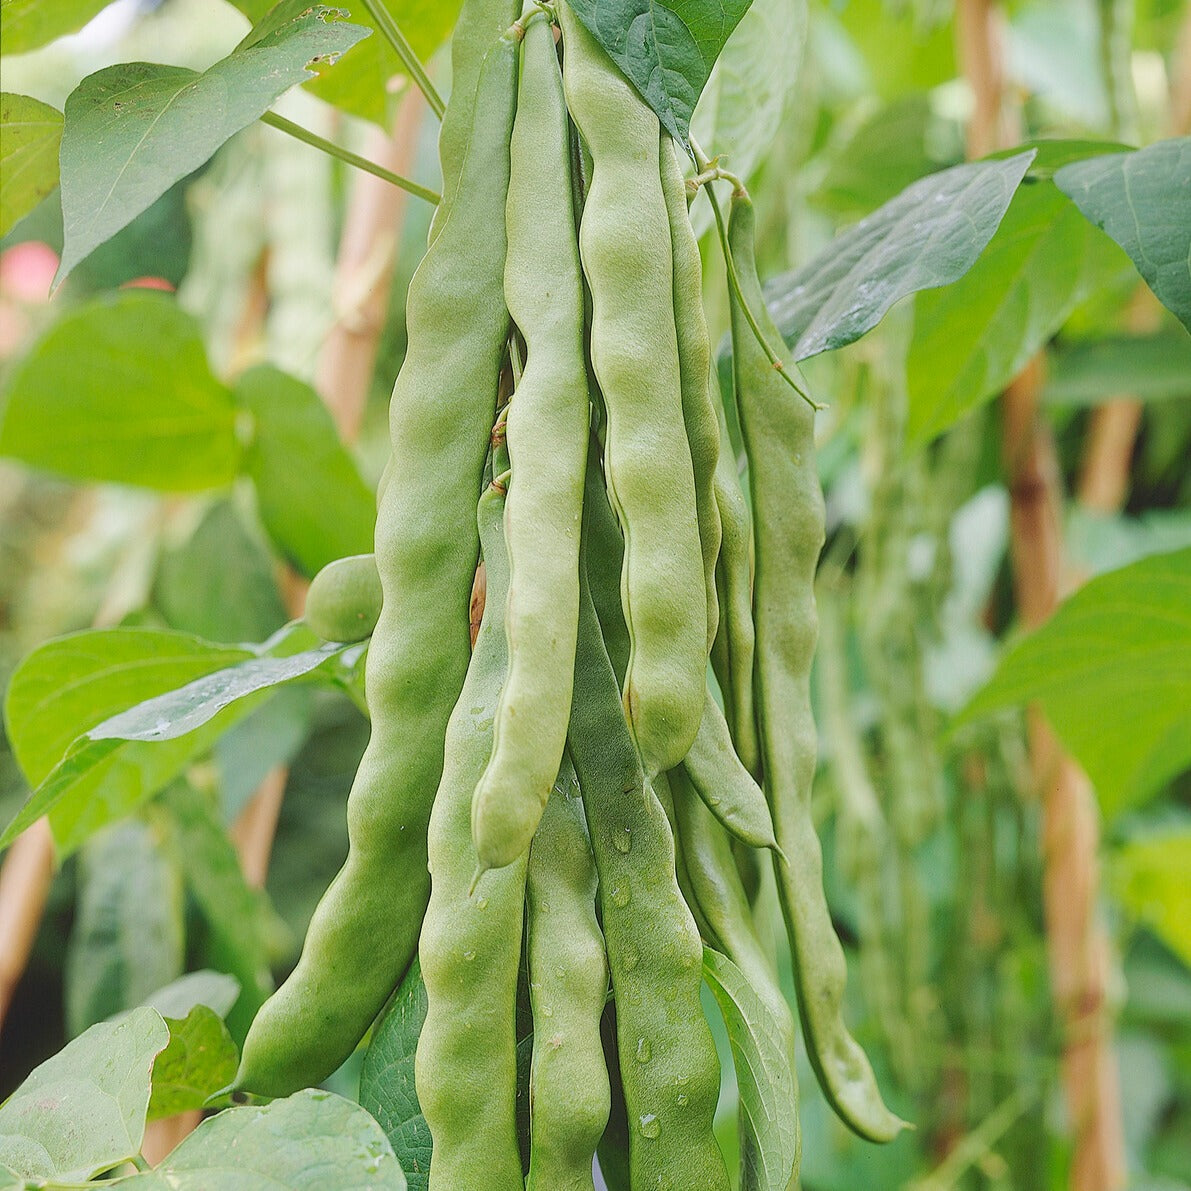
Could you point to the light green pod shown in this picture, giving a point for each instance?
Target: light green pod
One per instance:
(547, 440)
(694, 360)
(778, 428)
(668, 1062)
(470, 950)
(569, 1095)
(624, 239)
(343, 603)
(365, 928)
(728, 789)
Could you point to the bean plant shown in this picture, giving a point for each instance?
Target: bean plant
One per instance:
(608, 691)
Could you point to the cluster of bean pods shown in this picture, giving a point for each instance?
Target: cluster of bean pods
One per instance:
(573, 796)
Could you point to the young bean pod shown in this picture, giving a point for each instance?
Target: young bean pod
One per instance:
(624, 240)
(569, 1096)
(365, 929)
(343, 603)
(470, 948)
(668, 1062)
(778, 429)
(547, 439)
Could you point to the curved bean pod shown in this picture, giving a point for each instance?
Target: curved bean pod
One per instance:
(365, 928)
(547, 440)
(343, 603)
(778, 428)
(569, 1096)
(624, 240)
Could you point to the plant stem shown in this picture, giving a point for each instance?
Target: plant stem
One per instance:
(383, 20)
(361, 163)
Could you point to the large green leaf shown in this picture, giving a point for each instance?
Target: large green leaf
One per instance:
(666, 50)
(134, 129)
(972, 338)
(1143, 201)
(312, 500)
(83, 1111)
(1144, 367)
(768, 1093)
(29, 24)
(1112, 669)
(740, 110)
(30, 133)
(1150, 876)
(127, 937)
(930, 235)
(120, 390)
(306, 1142)
(199, 1061)
(387, 1080)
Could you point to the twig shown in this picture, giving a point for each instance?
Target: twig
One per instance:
(25, 879)
(346, 155)
(383, 20)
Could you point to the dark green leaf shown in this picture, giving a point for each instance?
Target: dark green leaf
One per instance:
(972, 338)
(30, 133)
(145, 410)
(83, 1111)
(200, 1059)
(1053, 154)
(666, 50)
(387, 1080)
(127, 937)
(217, 990)
(134, 129)
(1143, 201)
(768, 1093)
(1112, 669)
(312, 500)
(930, 235)
(1144, 367)
(29, 24)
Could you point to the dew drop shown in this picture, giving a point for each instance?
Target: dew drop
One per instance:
(649, 1126)
(482, 903)
(621, 896)
(631, 960)
(644, 1050)
(683, 1099)
(547, 1011)
(469, 956)
(623, 840)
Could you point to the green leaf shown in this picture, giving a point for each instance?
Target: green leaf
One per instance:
(1112, 669)
(768, 1093)
(201, 1058)
(666, 50)
(128, 934)
(1149, 875)
(930, 235)
(30, 133)
(295, 1144)
(144, 410)
(29, 24)
(1144, 367)
(972, 338)
(740, 110)
(217, 990)
(83, 1111)
(925, 49)
(312, 500)
(134, 129)
(1143, 201)
(387, 1079)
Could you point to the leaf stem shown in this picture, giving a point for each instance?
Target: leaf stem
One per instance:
(361, 163)
(383, 19)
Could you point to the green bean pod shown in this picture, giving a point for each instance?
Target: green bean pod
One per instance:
(668, 1062)
(778, 428)
(605, 560)
(569, 1096)
(470, 949)
(480, 24)
(721, 780)
(365, 928)
(624, 241)
(724, 906)
(547, 439)
(694, 360)
(343, 603)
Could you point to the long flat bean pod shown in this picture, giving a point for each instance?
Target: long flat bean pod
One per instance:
(569, 1096)
(668, 1063)
(624, 240)
(547, 439)
(694, 361)
(470, 949)
(778, 428)
(365, 929)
